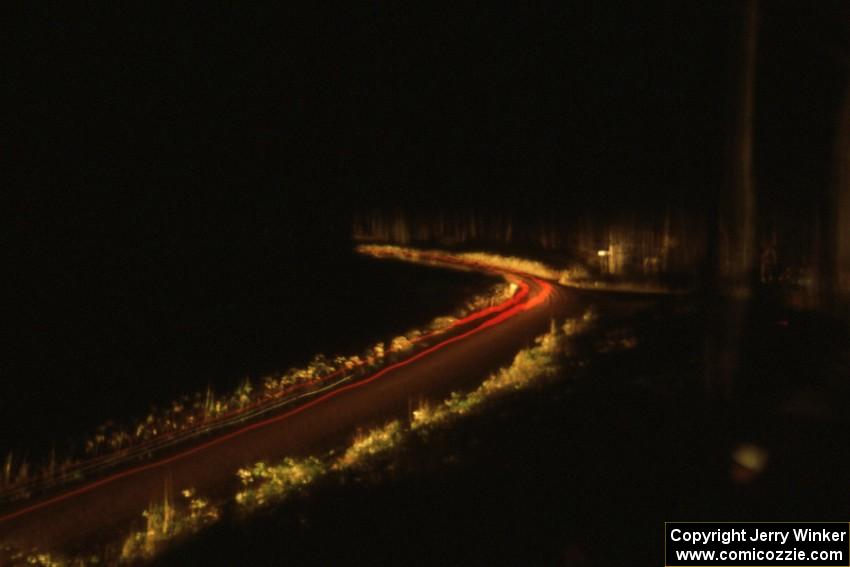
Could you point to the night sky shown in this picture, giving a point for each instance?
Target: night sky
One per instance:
(152, 150)
(191, 111)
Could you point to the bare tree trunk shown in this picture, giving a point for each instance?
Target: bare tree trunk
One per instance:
(736, 238)
(738, 209)
(841, 200)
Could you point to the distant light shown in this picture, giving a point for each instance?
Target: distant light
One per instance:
(751, 456)
(748, 462)
(601, 252)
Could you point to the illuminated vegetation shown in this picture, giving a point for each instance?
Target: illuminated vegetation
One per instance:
(509, 263)
(528, 366)
(619, 286)
(166, 521)
(264, 484)
(369, 444)
(574, 276)
(205, 411)
(43, 559)
(668, 242)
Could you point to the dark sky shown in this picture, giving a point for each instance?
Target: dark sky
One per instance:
(216, 114)
(209, 111)
(803, 73)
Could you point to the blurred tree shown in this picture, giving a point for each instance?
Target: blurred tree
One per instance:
(735, 239)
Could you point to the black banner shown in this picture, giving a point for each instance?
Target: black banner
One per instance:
(760, 544)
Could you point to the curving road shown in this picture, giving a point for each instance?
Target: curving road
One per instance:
(453, 360)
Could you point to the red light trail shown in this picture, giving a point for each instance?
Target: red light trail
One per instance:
(500, 312)
(282, 398)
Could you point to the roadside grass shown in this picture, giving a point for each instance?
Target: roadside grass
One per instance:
(510, 263)
(543, 360)
(574, 276)
(263, 484)
(19, 477)
(166, 522)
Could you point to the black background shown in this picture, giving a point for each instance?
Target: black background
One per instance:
(790, 545)
(163, 162)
